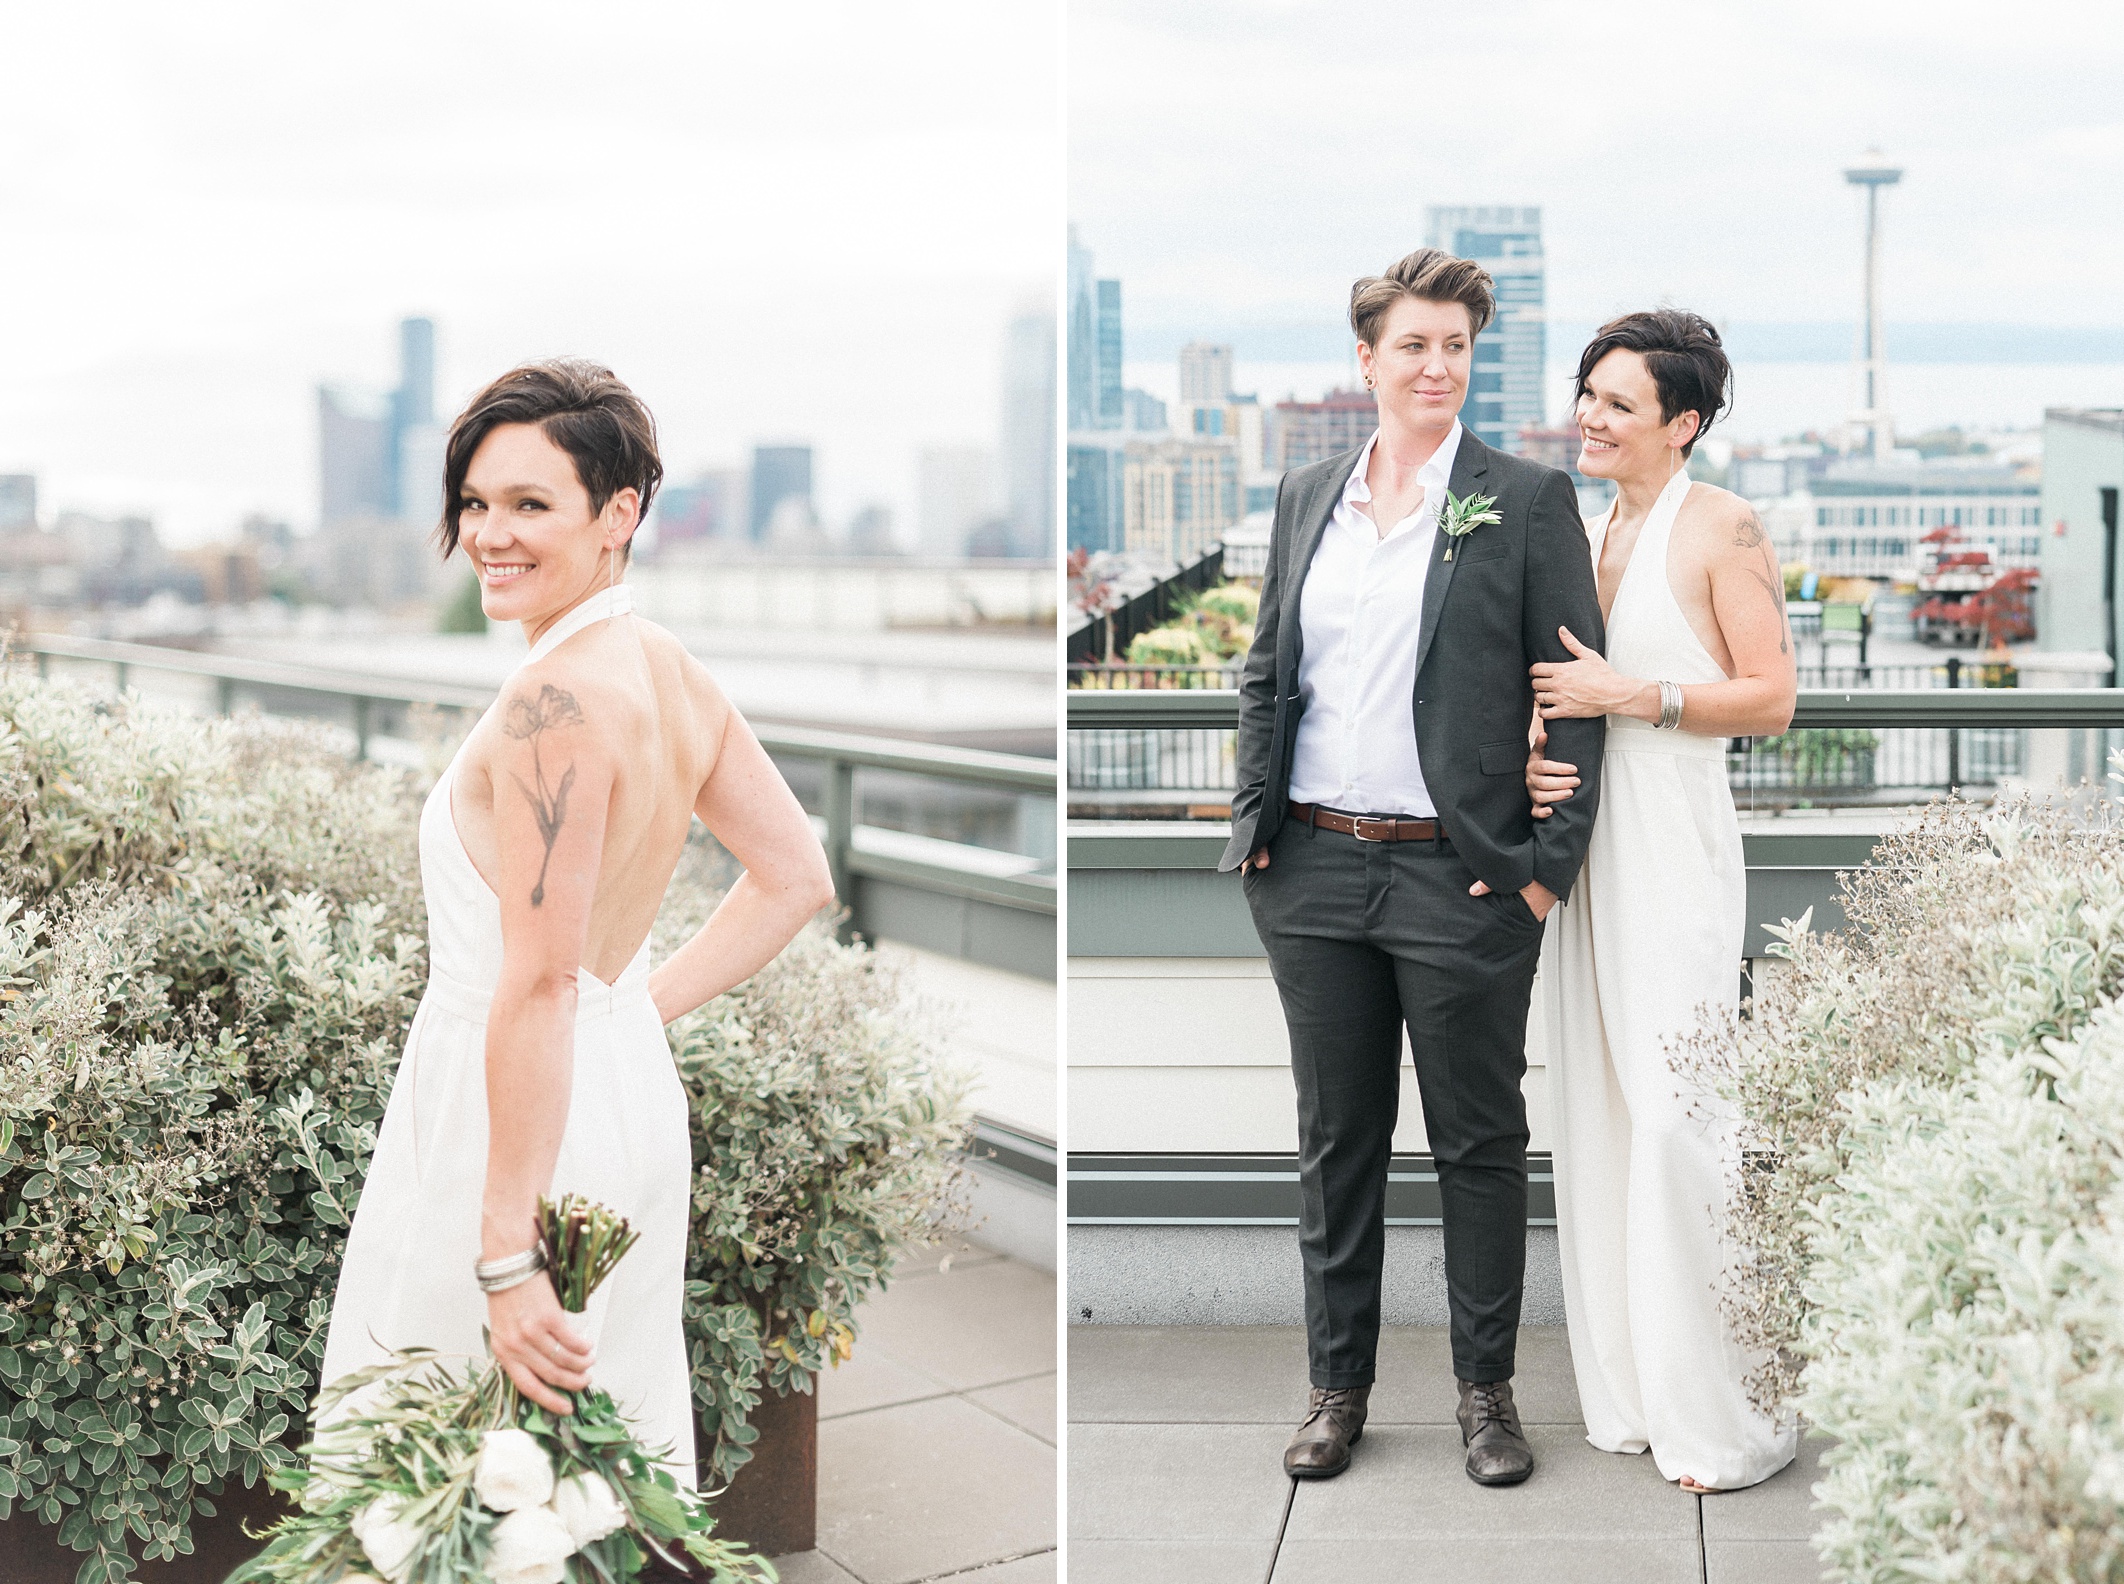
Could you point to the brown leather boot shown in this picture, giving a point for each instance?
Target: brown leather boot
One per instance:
(1498, 1453)
(1334, 1422)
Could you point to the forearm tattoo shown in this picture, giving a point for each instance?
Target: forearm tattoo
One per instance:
(1750, 536)
(527, 721)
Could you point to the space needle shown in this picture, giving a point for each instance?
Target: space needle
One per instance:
(1873, 173)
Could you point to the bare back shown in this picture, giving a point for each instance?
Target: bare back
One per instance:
(656, 715)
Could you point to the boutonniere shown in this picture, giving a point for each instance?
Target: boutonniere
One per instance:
(1462, 517)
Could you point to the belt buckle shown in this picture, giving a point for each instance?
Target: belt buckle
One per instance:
(1358, 823)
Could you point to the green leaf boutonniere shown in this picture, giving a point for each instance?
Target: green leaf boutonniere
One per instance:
(1462, 517)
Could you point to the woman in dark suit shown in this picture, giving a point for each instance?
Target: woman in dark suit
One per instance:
(1394, 870)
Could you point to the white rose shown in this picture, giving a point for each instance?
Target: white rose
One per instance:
(389, 1543)
(586, 1504)
(530, 1546)
(513, 1471)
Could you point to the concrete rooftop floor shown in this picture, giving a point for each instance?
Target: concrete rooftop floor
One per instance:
(937, 1438)
(1176, 1435)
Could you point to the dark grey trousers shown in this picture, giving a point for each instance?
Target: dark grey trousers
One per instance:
(1366, 938)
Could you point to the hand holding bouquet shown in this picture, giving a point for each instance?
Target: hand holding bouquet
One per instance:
(420, 1474)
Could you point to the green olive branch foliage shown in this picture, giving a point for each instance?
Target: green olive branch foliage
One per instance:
(212, 942)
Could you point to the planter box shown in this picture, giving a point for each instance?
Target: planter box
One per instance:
(30, 1552)
(773, 1503)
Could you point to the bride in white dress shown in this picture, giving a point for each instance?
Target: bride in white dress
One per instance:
(537, 1062)
(1698, 651)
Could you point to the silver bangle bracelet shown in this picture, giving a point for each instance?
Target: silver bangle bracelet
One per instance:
(1670, 706)
(500, 1275)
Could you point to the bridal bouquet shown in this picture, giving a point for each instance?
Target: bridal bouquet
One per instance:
(429, 1472)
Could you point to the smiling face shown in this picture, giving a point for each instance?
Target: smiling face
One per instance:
(1621, 432)
(1420, 366)
(527, 526)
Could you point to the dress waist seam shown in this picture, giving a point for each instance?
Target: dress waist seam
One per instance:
(593, 1000)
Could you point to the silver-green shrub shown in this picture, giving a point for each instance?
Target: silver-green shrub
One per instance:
(1933, 1271)
(211, 946)
(827, 1136)
(210, 952)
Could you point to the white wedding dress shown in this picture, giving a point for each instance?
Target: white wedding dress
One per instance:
(1652, 933)
(407, 1280)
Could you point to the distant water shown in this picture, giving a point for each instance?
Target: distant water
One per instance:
(1774, 400)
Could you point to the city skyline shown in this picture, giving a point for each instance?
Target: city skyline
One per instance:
(1698, 163)
(759, 259)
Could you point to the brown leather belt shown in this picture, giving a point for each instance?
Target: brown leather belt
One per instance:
(1367, 827)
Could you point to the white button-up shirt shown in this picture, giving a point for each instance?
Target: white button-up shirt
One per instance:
(1361, 614)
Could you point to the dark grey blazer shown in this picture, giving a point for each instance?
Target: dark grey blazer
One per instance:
(1488, 614)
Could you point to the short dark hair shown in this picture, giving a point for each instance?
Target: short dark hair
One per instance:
(1431, 274)
(583, 408)
(1682, 352)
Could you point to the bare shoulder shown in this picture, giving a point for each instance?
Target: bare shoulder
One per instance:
(678, 674)
(1723, 524)
(566, 698)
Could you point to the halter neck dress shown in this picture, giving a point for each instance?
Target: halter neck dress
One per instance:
(407, 1278)
(1652, 934)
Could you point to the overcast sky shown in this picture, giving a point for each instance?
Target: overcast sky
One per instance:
(1239, 163)
(776, 222)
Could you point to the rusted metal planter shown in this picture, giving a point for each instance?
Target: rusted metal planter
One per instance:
(30, 1552)
(773, 1503)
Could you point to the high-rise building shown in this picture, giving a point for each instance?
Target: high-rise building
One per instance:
(955, 493)
(422, 449)
(383, 456)
(1097, 507)
(414, 400)
(779, 473)
(1301, 432)
(1094, 350)
(1205, 374)
(1028, 433)
(1179, 497)
(1505, 386)
(711, 506)
(417, 441)
(1142, 413)
(353, 456)
(1110, 398)
(18, 502)
(1083, 329)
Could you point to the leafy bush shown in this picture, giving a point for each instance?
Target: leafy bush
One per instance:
(211, 945)
(1224, 616)
(826, 1137)
(1170, 646)
(211, 949)
(1931, 1231)
(1821, 754)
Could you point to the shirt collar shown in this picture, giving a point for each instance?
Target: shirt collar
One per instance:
(1434, 475)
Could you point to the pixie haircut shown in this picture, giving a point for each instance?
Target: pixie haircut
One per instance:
(1684, 356)
(1431, 274)
(582, 408)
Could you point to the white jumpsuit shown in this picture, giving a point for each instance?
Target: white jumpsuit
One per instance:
(1652, 933)
(407, 1280)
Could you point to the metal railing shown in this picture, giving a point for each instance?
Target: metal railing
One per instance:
(1849, 745)
(1124, 676)
(852, 848)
